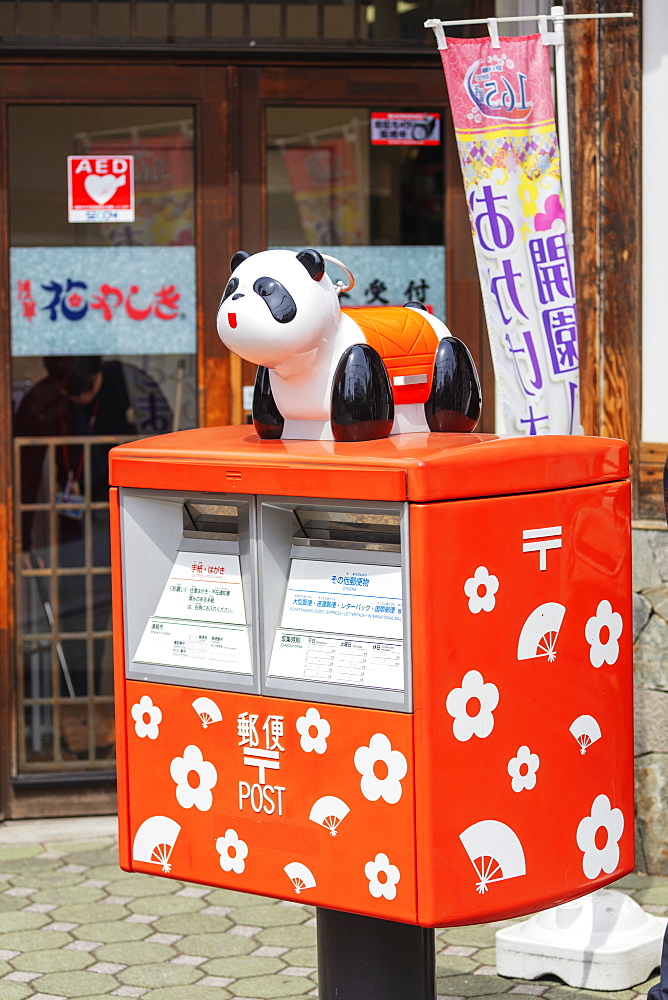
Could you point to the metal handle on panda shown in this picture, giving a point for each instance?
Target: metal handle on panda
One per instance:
(339, 286)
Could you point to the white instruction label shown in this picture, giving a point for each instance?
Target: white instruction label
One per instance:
(204, 588)
(200, 620)
(341, 624)
(201, 647)
(354, 660)
(349, 598)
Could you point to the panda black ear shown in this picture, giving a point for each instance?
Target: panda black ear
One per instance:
(313, 262)
(238, 258)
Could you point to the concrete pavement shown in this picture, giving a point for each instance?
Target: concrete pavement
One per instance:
(72, 924)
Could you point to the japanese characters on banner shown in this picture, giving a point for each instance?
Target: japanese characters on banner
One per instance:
(506, 135)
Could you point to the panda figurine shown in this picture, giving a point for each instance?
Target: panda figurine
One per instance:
(326, 373)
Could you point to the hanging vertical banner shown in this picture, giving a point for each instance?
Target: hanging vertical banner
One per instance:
(503, 114)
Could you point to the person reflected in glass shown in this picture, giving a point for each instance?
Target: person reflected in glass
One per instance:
(79, 397)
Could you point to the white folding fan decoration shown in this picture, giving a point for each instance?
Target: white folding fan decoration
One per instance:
(495, 852)
(300, 876)
(328, 812)
(540, 632)
(586, 731)
(208, 711)
(154, 841)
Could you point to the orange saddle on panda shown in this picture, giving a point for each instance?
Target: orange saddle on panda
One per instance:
(406, 341)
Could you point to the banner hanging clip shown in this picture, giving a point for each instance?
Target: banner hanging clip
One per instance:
(493, 26)
(548, 37)
(436, 26)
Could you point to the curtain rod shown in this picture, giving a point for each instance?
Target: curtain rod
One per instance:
(432, 22)
(555, 37)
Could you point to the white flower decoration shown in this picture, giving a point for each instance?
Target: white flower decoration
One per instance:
(233, 852)
(146, 726)
(602, 633)
(481, 698)
(180, 769)
(483, 580)
(382, 876)
(522, 769)
(306, 724)
(600, 858)
(393, 765)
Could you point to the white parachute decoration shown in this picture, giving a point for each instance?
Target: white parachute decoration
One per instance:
(328, 812)
(495, 852)
(154, 841)
(207, 710)
(586, 731)
(300, 876)
(540, 631)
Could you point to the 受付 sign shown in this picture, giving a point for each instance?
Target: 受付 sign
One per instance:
(100, 189)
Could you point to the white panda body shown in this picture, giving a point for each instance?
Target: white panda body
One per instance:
(305, 395)
(281, 311)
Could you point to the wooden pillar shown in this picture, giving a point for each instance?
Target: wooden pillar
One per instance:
(604, 73)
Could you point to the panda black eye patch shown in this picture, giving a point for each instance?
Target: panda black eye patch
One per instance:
(232, 285)
(279, 301)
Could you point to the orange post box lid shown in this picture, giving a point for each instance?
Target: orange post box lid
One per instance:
(417, 467)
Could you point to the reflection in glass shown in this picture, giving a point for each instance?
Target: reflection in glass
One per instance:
(160, 139)
(98, 301)
(76, 409)
(328, 185)
(330, 188)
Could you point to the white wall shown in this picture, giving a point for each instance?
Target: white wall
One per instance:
(655, 222)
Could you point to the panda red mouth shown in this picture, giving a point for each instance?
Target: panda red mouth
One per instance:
(232, 320)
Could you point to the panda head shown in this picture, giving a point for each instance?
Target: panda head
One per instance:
(277, 304)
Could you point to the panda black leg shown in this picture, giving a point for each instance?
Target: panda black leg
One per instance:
(267, 418)
(362, 404)
(454, 401)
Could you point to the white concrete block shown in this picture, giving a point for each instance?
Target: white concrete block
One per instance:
(603, 941)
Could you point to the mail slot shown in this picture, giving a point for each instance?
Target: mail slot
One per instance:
(365, 675)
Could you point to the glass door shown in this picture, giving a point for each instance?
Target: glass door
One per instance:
(367, 186)
(103, 349)
(356, 169)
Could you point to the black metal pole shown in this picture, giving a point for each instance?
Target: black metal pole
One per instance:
(365, 958)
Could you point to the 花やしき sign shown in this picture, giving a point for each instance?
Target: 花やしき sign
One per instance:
(100, 189)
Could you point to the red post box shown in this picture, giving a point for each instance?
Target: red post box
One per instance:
(392, 678)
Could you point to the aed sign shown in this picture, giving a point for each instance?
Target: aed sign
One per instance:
(404, 128)
(100, 189)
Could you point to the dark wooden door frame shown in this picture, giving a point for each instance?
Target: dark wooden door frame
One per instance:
(206, 89)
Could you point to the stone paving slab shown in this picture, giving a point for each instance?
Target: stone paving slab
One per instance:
(73, 925)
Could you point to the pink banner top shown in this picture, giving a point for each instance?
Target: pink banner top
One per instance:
(489, 88)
